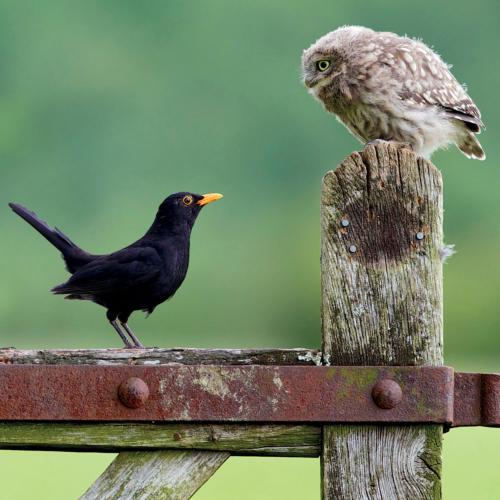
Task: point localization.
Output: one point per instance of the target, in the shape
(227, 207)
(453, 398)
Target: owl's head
(327, 58)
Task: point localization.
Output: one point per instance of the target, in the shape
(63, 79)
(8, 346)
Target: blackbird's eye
(187, 200)
(323, 65)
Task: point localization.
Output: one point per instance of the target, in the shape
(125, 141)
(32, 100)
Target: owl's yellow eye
(323, 65)
(187, 200)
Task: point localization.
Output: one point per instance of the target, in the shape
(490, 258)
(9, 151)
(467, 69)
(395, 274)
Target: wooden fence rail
(381, 278)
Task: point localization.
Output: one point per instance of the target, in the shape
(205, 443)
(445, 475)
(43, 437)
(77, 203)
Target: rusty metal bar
(259, 394)
(476, 399)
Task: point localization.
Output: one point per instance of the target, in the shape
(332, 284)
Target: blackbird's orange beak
(208, 198)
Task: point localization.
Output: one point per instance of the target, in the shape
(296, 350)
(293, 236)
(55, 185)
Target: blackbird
(140, 276)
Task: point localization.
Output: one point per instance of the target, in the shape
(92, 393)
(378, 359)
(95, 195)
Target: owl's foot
(397, 144)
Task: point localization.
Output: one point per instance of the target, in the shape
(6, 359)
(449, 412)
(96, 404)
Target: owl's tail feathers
(471, 147)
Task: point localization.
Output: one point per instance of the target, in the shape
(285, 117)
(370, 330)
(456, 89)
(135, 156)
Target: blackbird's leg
(126, 341)
(112, 319)
(123, 317)
(131, 334)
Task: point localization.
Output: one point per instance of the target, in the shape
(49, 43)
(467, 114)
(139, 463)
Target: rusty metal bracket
(476, 399)
(262, 394)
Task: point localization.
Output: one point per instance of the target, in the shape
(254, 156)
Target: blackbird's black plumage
(138, 277)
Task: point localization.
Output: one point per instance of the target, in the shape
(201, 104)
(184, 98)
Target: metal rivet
(419, 235)
(344, 223)
(133, 392)
(353, 248)
(387, 394)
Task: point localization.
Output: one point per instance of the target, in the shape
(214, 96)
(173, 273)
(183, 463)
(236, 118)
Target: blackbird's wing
(114, 273)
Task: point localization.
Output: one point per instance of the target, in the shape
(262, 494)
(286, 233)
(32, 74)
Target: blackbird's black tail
(73, 255)
(56, 237)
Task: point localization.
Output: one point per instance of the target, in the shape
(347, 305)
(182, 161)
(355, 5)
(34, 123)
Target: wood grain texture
(156, 356)
(382, 305)
(166, 475)
(265, 440)
(381, 462)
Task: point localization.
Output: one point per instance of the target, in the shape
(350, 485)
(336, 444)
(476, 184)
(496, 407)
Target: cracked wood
(160, 356)
(382, 305)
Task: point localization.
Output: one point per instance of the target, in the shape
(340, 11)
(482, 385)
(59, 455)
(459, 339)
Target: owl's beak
(310, 83)
(208, 198)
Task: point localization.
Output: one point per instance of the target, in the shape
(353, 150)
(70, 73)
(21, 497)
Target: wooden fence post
(381, 221)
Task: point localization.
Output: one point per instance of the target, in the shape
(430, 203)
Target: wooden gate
(381, 276)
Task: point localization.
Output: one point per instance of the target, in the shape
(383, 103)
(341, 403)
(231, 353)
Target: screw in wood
(420, 235)
(353, 248)
(344, 223)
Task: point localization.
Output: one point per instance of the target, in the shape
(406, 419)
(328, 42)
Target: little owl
(383, 86)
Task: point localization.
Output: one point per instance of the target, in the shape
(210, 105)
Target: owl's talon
(397, 144)
(377, 141)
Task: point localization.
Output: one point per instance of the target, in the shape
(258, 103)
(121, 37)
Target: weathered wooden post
(381, 267)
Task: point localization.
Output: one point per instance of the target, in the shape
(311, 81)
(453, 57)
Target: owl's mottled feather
(384, 86)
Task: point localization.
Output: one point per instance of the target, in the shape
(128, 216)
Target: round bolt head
(353, 248)
(420, 235)
(387, 394)
(344, 223)
(133, 392)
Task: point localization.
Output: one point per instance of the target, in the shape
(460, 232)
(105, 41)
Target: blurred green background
(107, 107)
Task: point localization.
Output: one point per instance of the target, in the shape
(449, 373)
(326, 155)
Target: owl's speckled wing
(426, 79)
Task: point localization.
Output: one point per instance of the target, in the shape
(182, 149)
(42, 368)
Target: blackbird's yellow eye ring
(323, 65)
(187, 200)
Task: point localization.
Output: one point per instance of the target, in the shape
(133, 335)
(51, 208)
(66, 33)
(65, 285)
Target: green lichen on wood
(252, 439)
(431, 457)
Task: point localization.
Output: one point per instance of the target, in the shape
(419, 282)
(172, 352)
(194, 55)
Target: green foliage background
(107, 107)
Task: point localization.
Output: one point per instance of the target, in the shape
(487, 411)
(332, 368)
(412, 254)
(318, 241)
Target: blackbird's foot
(135, 340)
(126, 341)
